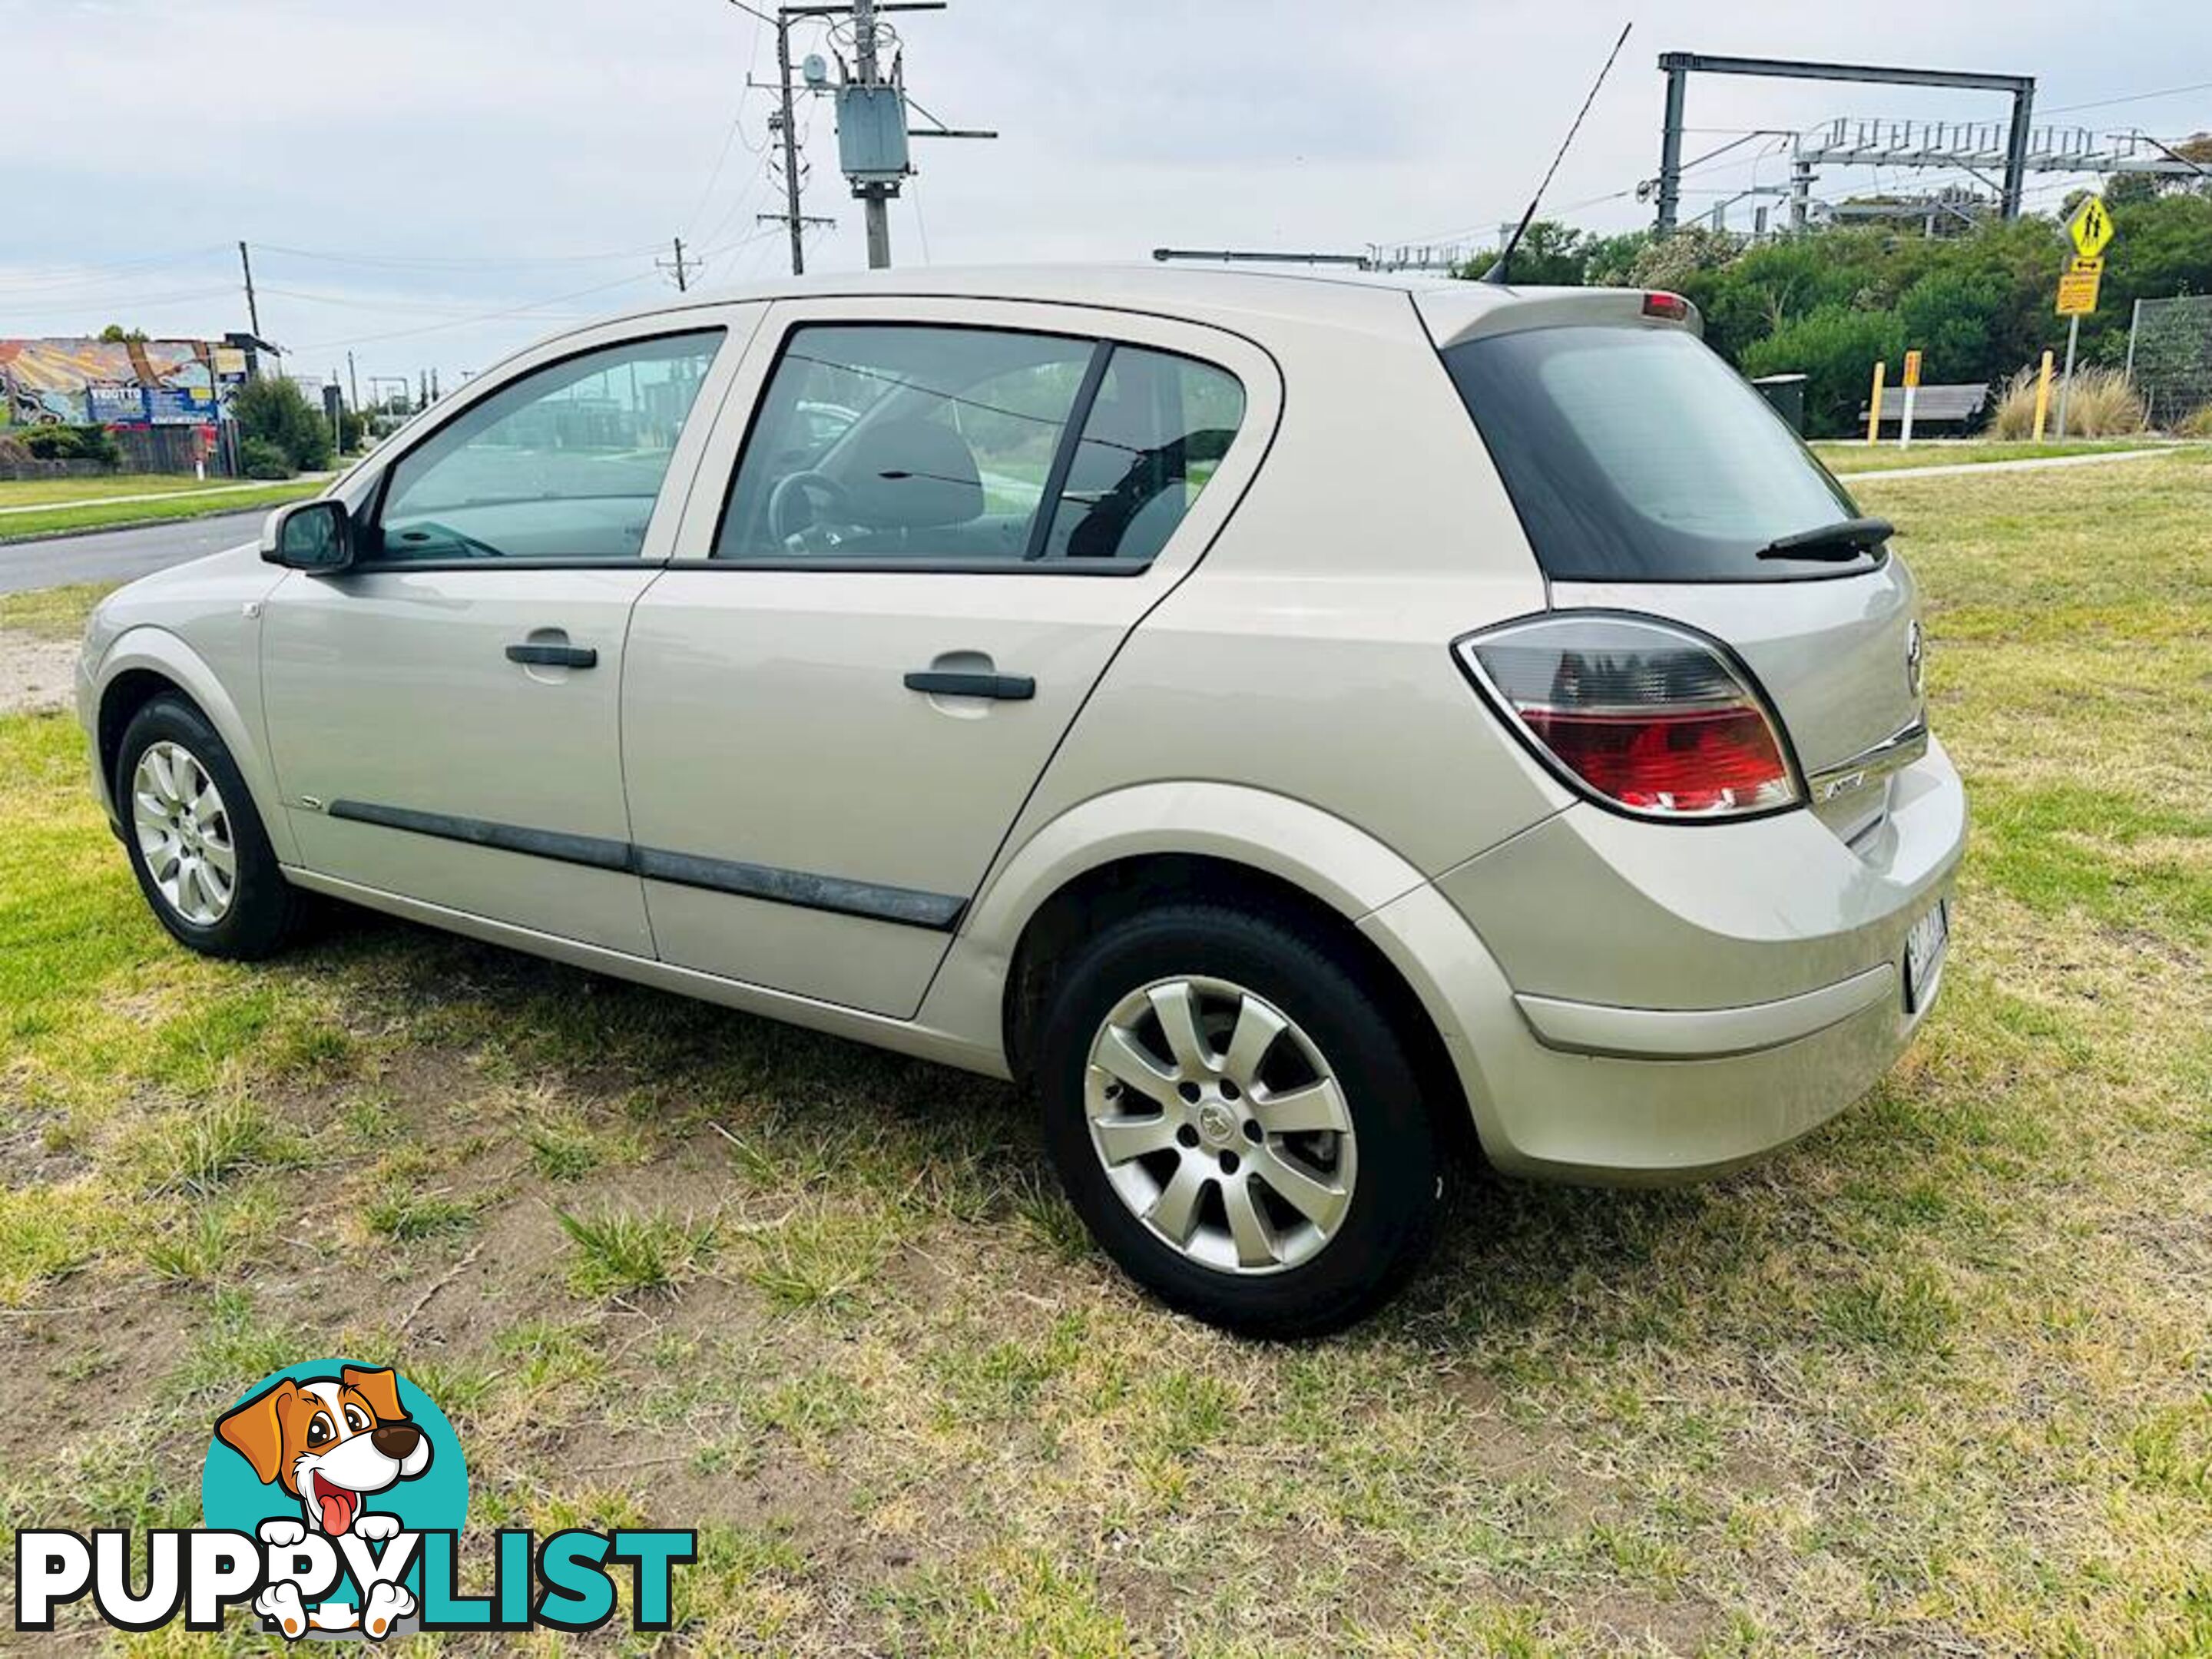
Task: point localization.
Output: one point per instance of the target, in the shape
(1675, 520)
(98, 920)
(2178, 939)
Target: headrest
(911, 474)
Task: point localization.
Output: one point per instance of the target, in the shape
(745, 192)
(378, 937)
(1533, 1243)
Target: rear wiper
(1846, 539)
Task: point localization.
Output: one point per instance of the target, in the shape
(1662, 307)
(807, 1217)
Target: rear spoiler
(1459, 312)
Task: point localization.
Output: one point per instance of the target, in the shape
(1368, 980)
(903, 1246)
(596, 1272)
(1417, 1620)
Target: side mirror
(315, 536)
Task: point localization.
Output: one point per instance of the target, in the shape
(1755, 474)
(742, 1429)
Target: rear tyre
(196, 842)
(1235, 1118)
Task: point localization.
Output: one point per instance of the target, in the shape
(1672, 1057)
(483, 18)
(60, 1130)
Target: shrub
(72, 443)
(2195, 424)
(275, 411)
(257, 457)
(2101, 405)
(1834, 347)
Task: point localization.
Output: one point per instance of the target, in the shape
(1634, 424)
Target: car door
(444, 714)
(922, 530)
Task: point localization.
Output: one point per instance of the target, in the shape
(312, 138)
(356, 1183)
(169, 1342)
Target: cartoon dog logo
(331, 1443)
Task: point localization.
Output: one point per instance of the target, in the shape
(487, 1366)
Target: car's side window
(564, 464)
(1157, 431)
(939, 445)
(897, 443)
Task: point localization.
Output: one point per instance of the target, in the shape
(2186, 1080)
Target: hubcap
(184, 834)
(1221, 1125)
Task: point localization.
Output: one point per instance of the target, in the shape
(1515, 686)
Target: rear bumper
(1632, 1003)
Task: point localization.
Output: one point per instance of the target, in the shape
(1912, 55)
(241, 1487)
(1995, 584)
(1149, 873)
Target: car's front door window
(566, 462)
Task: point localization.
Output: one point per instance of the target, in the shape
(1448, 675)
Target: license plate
(1924, 955)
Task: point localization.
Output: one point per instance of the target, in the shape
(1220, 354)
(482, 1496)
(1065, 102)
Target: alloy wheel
(184, 834)
(1221, 1125)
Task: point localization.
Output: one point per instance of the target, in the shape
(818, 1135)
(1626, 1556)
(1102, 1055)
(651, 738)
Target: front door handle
(1004, 688)
(553, 656)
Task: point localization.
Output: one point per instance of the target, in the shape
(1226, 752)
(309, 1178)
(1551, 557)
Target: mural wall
(111, 383)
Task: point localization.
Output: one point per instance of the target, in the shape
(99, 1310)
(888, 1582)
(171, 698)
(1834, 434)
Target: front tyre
(1233, 1115)
(196, 845)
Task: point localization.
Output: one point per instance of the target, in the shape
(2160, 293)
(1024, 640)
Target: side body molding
(156, 650)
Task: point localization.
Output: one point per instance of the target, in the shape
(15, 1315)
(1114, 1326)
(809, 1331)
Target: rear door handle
(553, 656)
(1005, 688)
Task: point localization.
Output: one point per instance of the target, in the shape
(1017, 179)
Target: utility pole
(793, 220)
(783, 128)
(681, 271)
(873, 132)
(875, 198)
(252, 311)
(353, 385)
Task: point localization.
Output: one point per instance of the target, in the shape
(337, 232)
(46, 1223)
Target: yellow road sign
(1912, 368)
(2077, 289)
(2091, 228)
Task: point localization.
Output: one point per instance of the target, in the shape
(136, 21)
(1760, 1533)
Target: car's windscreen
(1635, 454)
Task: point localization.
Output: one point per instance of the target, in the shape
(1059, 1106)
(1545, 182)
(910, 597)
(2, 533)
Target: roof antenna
(1498, 272)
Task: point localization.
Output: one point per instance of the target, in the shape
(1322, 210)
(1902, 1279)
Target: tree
(277, 412)
(116, 334)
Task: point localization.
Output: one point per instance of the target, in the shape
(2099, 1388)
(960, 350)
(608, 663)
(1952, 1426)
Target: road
(117, 556)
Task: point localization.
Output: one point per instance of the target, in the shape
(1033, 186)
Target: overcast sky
(403, 167)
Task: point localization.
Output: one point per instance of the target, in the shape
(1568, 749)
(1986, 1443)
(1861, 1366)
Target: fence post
(2134, 322)
(1874, 403)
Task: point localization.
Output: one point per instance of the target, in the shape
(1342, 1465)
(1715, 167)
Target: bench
(1934, 405)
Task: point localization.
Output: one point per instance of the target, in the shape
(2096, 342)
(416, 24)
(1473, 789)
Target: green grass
(1935, 1380)
(65, 492)
(70, 520)
(52, 613)
(616, 1254)
(1845, 456)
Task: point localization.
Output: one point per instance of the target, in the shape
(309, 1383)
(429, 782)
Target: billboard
(109, 382)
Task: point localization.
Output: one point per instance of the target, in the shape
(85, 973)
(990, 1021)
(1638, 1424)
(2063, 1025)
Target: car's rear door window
(1157, 431)
(933, 446)
(1635, 454)
(891, 442)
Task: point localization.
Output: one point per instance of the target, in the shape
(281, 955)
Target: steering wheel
(797, 493)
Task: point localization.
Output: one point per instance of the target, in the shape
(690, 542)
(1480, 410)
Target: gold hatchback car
(1281, 719)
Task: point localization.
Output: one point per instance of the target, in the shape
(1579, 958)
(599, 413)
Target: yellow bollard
(2042, 396)
(1874, 403)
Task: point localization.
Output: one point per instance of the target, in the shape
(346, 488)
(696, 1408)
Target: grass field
(189, 503)
(1843, 455)
(64, 492)
(1937, 1381)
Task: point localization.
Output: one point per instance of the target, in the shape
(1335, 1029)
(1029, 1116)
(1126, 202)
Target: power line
(729, 134)
(79, 276)
(482, 317)
(118, 301)
(2131, 97)
(459, 261)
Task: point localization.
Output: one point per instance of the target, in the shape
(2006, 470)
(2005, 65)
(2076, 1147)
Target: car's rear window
(1636, 455)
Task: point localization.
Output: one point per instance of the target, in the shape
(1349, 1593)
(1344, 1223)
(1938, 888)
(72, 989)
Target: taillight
(1646, 717)
(1671, 306)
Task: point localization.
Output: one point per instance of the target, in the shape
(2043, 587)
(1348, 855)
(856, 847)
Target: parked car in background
(1283, 720)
